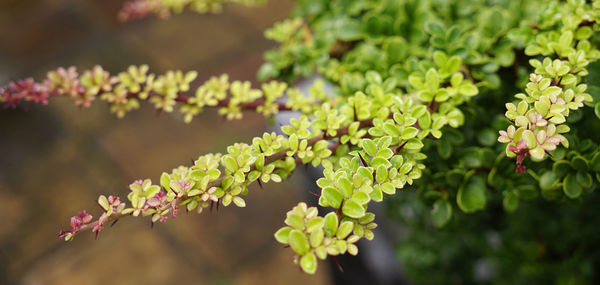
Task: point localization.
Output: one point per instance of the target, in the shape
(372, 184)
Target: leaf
(314, 224)
(381, 174)
(434, 29)
(229, 163)
(579, 163)
(409, 133)
(441, 213)
(331, 224)
(369, 146)
(165, 180)
(345, 186)
(353, 209)
(316, 237)
(595, 162)
(584, 179)
(510, 202)
(548, 180)
(298, 242)
(103, 202)
(333, 196)
(308, 263)
(344, 230)
(294, 221)
(282, 235)
(471, 197)
(239, 201)
(561, 168)
(413, 144)
(571, 187)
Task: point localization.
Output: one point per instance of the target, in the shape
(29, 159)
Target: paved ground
(56, 160)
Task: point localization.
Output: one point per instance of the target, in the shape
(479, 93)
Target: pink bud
(75, 223)
(85, 217)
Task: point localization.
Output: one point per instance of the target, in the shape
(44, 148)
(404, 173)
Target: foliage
(421, 89)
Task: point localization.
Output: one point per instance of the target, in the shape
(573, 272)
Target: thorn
(260, 148)
(315, 194)
(151, 224)
(286, 246)
(114, 222)
(212, 203)
(400, 147)
(337, 263)
(218, 205)
(362, 159)
(260, 183)
(96, 238)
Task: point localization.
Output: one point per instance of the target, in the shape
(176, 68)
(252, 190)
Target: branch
(125, 91)
(115, 210)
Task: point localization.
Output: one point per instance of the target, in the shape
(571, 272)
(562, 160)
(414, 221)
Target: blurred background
(56, 159)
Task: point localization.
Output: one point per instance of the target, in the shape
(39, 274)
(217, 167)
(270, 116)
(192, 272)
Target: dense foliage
(495, 186)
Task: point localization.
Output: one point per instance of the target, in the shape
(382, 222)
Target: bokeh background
(55, 160)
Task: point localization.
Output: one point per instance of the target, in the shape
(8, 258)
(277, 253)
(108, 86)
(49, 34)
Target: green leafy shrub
(495, 186)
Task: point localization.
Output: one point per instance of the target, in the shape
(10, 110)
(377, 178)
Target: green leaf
(388, 188)
(510, 202)
(584, 179)
(561, 168)
(331, 224)
(298, 242)
(548, 180)
(283, 234)
(434, 29)
(314, 224)
(344, 230)
(361, 197)
(454, 177)
(333, 196)
(369, 147)
(579, 163)
(239, 201)
(308, 262)
(413, 144)
(595, 162)
(345, 186)
(441, 213)
(294, 221)
(597, 110)
(165, 180)
(353, 209)
(229, 163)
(381, 174)
(571, 187)
(471, 197)
(103, 202)
(409, 133)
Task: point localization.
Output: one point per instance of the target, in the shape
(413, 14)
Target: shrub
(483, 114)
